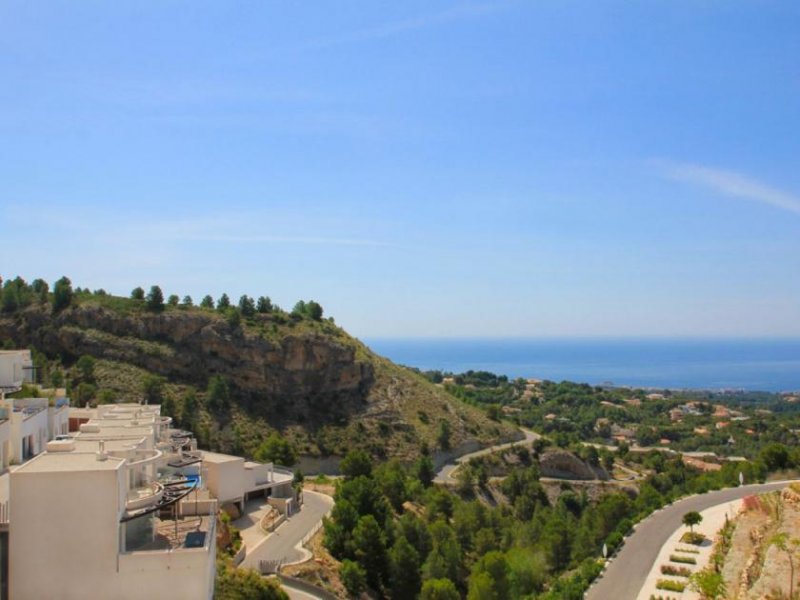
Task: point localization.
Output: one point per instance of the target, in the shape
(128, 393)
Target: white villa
(113, 500)
(16, 368)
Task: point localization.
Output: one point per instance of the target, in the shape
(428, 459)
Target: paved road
(627, 573)
(282, 543)
(297, 594)
(445, 473)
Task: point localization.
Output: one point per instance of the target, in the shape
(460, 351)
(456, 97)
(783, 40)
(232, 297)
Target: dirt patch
(328, 487)
(755, 567)
(322, 570)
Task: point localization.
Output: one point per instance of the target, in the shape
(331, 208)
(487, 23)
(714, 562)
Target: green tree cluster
(218, 394)
(234, 583)
(276, 449)
(155, 299)
(459, 547)
(311, 310)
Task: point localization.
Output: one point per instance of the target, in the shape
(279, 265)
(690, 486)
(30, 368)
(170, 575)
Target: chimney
(101, 454)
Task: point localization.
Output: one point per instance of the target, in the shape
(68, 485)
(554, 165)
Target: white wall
(5, 444)
(65, 540)
(63, 534)
(185, 573)
(33, 427)
(257, 475)
(12, 367)
(57, 421)
(226, 480)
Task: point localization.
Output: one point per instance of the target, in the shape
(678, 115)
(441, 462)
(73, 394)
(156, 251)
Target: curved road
(284, 543)
(444, 475)
(626, 574)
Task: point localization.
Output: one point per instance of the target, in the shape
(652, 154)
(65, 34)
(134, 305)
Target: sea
(771, 365)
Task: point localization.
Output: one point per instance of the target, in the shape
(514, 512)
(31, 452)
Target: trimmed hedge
(687, 560)
(677, 571)
(672, 586)
(693, 538)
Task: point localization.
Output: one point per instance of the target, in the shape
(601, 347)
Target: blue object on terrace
(195, 539)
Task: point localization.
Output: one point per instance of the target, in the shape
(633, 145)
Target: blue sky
(420, 168)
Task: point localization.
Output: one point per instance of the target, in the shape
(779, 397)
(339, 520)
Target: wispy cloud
(281, 239)
(731, 183)
(249, 226)
(385, 30)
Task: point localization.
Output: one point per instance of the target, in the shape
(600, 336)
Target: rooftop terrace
(54, 462)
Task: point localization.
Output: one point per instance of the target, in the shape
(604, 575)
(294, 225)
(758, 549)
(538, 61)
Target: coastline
(713, 364)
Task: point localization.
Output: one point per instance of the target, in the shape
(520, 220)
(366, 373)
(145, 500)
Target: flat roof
(122, 422)
(56, 462)
(116, 432)
(87, 445)
(216, 457)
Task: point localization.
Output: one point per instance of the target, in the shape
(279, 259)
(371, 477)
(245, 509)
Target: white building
(5, 439)
(57, 417)
(77, 514)
(232, 479)
(16, 368)
(112, 502)
(29, 427)
(103, 512)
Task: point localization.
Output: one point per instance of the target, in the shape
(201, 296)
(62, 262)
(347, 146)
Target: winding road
(444, 475)
(284, 544)
(626, 573)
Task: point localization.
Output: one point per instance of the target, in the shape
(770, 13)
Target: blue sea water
(752, 364)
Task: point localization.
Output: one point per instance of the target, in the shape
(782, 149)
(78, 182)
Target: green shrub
(687, 560)
(692, 537)
(677, 571)
(353, 577)
(672, 586)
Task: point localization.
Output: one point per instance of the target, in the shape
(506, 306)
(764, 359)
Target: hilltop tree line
(16, 294)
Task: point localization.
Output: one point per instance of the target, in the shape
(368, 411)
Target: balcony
(29, 411)
(144, 497)
(155, 496)
(144, 457)
(150, 533)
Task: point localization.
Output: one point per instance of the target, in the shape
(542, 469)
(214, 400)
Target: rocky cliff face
(309, 379)
(299, 371)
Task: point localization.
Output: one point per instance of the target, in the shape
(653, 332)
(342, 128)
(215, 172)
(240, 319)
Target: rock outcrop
(565, 465)
(309, 379)
(301, 371)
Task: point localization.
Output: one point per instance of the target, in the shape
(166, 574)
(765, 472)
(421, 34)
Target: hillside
(302, 376)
